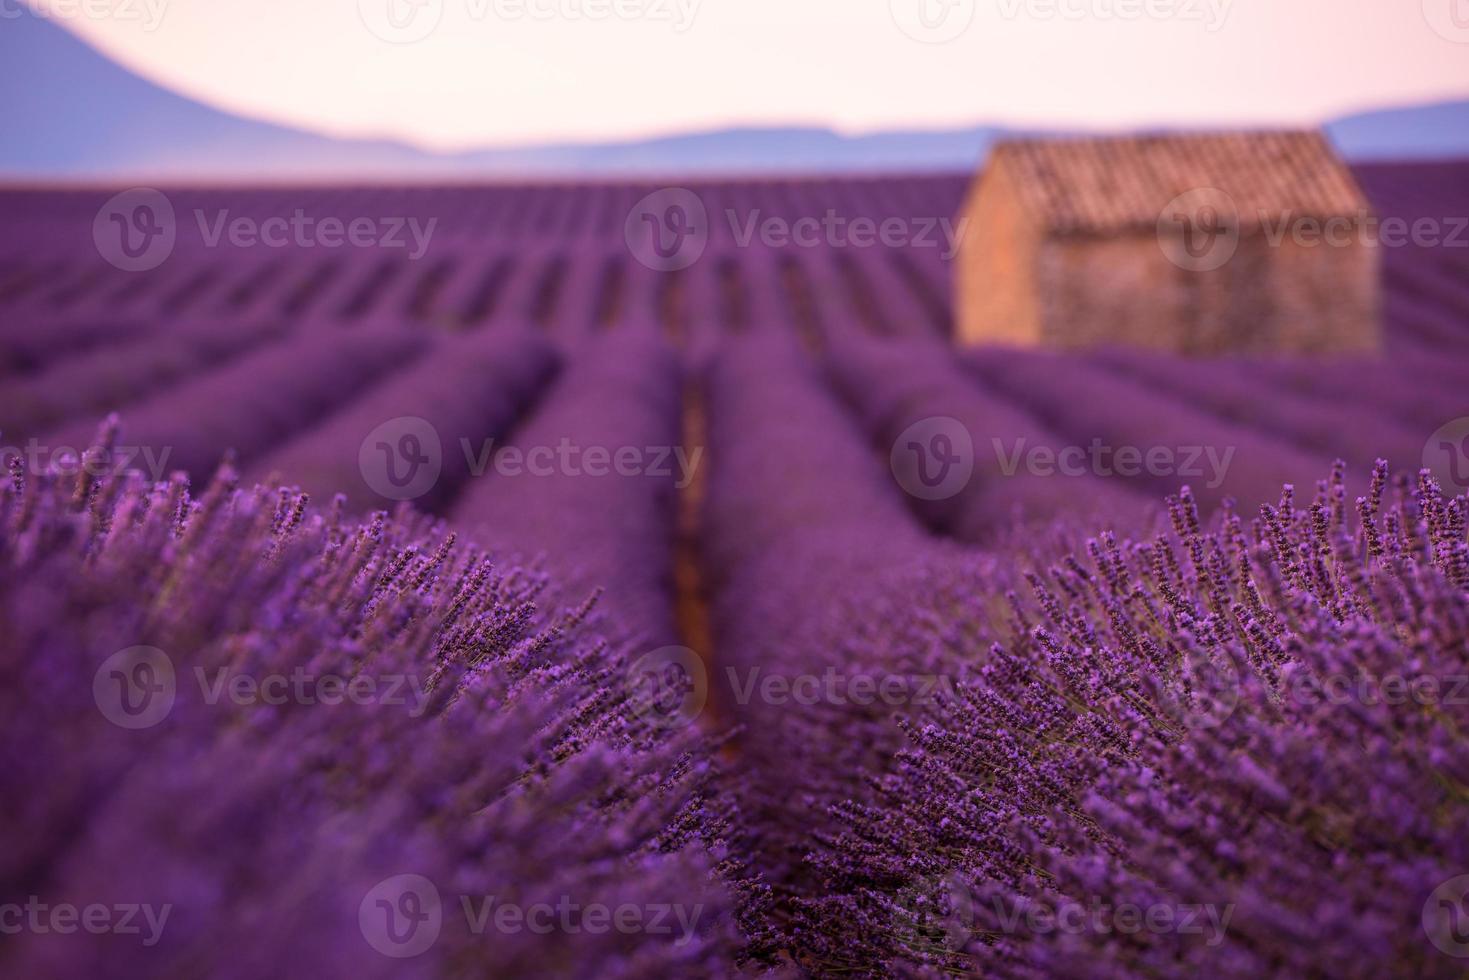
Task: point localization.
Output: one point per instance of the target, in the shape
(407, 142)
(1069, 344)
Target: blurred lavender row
(489, 750)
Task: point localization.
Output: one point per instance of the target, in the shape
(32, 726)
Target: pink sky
(494, 72)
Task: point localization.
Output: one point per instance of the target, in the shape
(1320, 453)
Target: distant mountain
(753, 150)
(1434, 132)
(69, 112)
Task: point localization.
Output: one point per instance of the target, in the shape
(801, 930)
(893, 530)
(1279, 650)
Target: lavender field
(525, 590)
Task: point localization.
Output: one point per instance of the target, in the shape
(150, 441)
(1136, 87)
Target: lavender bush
(455, 746)
(1231, 751)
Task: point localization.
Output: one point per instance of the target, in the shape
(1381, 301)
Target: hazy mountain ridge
(69, 112)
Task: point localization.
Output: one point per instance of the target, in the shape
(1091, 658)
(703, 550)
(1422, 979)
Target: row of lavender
(569, 291)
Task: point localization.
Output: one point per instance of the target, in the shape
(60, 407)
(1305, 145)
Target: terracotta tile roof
(1111, 184)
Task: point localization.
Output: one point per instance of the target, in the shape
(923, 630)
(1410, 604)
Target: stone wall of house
(1328, 298)
(1099, 291)
(1017, 283)
(996, 300)
(1268, 298)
